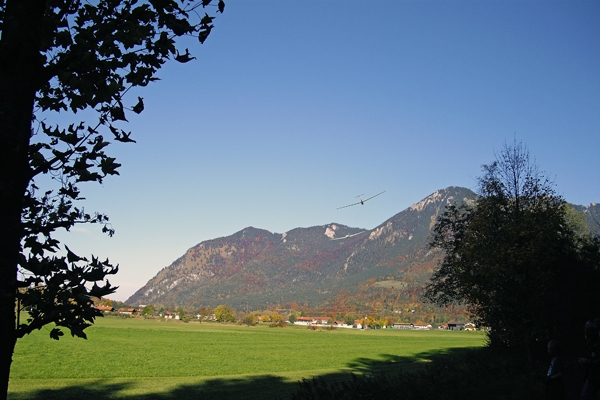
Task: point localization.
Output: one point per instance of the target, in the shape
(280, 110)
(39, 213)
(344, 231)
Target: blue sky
(294, 108)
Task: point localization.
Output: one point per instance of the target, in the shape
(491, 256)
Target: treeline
(289, 313)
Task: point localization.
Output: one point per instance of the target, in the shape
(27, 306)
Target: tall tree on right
(516, 257)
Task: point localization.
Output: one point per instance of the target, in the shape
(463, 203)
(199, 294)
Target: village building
(456, 326)
(104, 308)
(128, 311)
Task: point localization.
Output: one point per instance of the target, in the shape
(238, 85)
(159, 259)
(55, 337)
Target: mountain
(319, 265)
(254, 267)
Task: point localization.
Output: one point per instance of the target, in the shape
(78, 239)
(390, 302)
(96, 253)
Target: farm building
(402, 325)
(104, 308)
(422, 327)
(128, 311)
(456, 326)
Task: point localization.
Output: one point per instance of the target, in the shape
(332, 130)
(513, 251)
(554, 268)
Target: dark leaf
(203, 35)
(109, 166)
(79, 332)
(183, 58)
(117, 113)
(56, 333)
(72, 257)
(139, 107)
(107, 229)
(206, 20)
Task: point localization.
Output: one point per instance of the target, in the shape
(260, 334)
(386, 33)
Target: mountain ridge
(271, 266)
(254, 267)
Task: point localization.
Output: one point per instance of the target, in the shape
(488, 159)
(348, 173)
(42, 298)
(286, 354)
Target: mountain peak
(254, 266)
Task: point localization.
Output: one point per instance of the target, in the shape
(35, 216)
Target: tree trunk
(20, 66)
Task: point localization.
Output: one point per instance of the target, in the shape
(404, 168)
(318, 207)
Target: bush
(249, 319)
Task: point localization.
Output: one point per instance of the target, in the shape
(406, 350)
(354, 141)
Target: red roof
(313, 318)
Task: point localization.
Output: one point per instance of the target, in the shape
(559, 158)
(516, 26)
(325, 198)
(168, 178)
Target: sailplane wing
(373, 196)
(362, 201)
(349, 205)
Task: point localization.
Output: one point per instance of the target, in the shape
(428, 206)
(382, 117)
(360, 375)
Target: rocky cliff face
(255, 267)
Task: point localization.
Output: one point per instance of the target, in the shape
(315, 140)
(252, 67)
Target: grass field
(148, 359)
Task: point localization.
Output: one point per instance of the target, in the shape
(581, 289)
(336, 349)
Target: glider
(347, 236)
(361, 202)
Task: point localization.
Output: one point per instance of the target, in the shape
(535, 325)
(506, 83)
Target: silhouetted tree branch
(69, 56)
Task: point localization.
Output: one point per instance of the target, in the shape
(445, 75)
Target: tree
(205, 313)
(576, 222)
(514, 257)
(148, 311)
(250, 319)
(224, 313)
(277, 318)
(68, 56)
(349, 318)
(368, 321)
(293, 318)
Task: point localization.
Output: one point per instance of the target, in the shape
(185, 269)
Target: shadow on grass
(262, 387)
(445, 374)
(453, 374)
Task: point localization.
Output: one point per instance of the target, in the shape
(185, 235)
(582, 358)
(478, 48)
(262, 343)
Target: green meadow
(148, 359)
